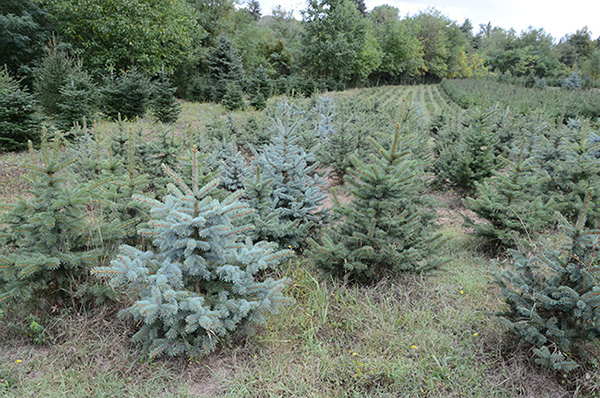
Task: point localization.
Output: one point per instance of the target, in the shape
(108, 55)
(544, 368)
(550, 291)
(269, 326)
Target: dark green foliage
(259, 88)
(511, 201)
(386, 226)
(225, 69)
(200, 284)
(297, 185)
(53, 73)
(163, 104)
(24, 30)
(77, 100)
(18, 120)
(233, 98)
(554, 298)
(467, 156)
(127, 95)
(49, 238)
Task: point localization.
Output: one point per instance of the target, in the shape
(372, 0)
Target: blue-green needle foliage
(200, 283)
(297, 192)
(554, 298)
(47, 248)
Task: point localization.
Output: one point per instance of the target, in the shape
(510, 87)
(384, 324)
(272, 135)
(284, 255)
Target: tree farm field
(409, 335)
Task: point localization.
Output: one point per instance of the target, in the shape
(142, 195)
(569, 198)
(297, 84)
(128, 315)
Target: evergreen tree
(467, 157)
(254, 9)
(266, 220)
(50, 76)
(553, 299)
(511, 201)
(127, 95)
(163, 103)
(297, 185)
(233, 98)
(49, 237)
(259, 88)
(570, 156)
(234, 168)
(386, 227)
(77, 100)
(573, 82)
(224, 67)
(18, 120)
(200, 282)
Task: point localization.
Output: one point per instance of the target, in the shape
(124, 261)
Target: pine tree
(386, 228)
(297, 185)
(77, 100)
(163, 104)
(554, 298)
(224, 67)
(467, 157)
(267, 221)
(64, 90)
(234, 168)
(127, 94)
(200, 284)
(18, 120)
(259, 88)
(511, 201)
(233, 98)
(49, 237)
(570, 156)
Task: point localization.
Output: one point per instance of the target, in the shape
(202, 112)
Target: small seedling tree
(200, 282)
(511, 201)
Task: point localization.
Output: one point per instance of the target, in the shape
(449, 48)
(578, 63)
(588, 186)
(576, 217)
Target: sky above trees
(556, 17)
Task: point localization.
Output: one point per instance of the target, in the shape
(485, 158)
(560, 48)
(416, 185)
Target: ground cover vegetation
(413, 240)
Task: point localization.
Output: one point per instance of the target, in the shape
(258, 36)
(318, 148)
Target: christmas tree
(511, 201)
(386, 226)
(554, 298)
(18, 121)
(200, 282)
(267, 222)
(467, 157)
(49, 238)
(296, 182)
(163, 104)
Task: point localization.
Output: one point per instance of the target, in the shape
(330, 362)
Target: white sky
(556, 17)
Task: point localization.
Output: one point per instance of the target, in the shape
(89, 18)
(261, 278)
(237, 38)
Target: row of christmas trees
(195, 269)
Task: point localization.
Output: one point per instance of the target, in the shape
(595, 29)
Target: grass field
(413, 336)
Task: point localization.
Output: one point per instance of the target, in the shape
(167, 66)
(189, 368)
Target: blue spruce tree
(200, 283)
(297, 185)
